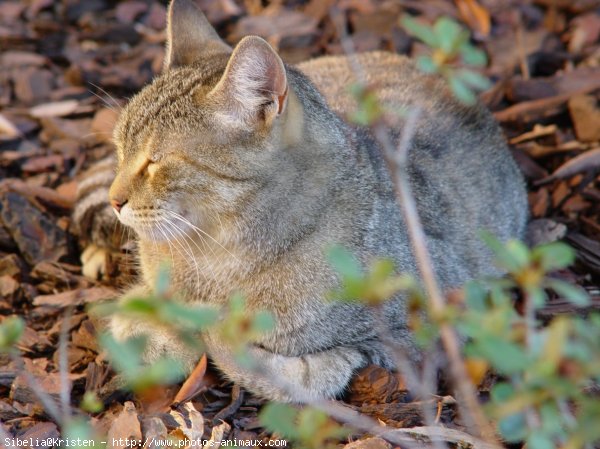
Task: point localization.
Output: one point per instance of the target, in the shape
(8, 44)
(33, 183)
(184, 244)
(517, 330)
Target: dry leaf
(54, 109)
(190, 420)
(537, 131)
(476, 369)
(193, 384)
(218, 434)
(588, 161)
(585, 115)
(125, 430)
(475, 15)
(7, 128)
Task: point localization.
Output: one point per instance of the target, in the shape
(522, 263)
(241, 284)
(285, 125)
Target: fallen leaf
(190, 420)
(475, 15)
(585, 115)
(193, 384)
(76, 297)
(588, 161)
(54, 109)
(537, 131)
(218, 434)
(7, 128)
(125, 430)
(369, 443)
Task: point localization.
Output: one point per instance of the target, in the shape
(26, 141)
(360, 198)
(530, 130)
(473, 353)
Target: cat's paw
(94, 261)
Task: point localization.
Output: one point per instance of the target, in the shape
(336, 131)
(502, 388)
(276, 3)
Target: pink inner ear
(281, 99)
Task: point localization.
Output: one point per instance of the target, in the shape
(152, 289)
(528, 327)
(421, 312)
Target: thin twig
(401, 360)
(63, 366)
(45, 399)
(397, 164)
(443, 434)
(5, 436)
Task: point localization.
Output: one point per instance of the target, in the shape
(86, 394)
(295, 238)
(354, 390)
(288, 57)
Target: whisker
(160, 228)
(181, 232)
(108, 95)
(189, 254)
(198, 230)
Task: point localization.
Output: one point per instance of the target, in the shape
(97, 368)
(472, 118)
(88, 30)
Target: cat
(241, 171)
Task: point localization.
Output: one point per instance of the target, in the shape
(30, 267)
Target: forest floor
(66, 66)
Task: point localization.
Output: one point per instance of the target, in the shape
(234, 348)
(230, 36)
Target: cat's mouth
(157, 225)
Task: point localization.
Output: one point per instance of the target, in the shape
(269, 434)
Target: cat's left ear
(253, 90)
(189, 35)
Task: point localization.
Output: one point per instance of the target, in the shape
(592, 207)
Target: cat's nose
(117, 204)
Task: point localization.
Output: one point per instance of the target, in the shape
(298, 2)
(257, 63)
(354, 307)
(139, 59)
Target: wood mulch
(67, 66)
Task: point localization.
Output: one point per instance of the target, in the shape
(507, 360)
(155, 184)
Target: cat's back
(392, 76)
(462, 173)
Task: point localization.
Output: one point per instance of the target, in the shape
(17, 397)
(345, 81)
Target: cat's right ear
(189, 35)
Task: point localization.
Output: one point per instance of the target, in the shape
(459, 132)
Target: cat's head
(192, 146)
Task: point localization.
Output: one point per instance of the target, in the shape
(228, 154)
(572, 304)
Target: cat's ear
(189, 35)
(253, 90)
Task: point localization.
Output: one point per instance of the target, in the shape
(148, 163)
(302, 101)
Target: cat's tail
(99, 230)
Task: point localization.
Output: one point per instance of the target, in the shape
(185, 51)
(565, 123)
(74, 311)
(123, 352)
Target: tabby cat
(241, 171)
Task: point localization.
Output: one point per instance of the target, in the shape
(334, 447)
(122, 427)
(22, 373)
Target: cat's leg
(314, 376)
(161, 341)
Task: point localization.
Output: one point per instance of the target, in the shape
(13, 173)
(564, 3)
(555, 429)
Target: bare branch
(397, 164)
(45, 399)
(63, 366)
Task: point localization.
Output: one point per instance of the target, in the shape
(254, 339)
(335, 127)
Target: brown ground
(66, 65)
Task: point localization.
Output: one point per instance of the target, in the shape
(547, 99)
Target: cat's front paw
(161, 341)
(94, 262)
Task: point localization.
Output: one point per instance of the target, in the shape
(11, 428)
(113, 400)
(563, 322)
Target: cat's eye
(148, 167)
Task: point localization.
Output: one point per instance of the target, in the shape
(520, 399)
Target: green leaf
(263, 322)
(144, 306)
(198, 317)
(449, 34)
(125, 356)
(474, 79)
(473, 56)
(79, 429)
(422, 32)
(462, 91)
(573, 293)
(539, 440)
(513, 428)
(554, 256)
(163, 280)
(91, 403)
(237, 305)
(427, 64)
(164, 371)
(502, 392)
(11, 330)
(280, 418)
(475, 296)
(518, 252)
(505, 356)
(507, 259)
(344, 262)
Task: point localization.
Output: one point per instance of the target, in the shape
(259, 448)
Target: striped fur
(252, 204)
(94, 219)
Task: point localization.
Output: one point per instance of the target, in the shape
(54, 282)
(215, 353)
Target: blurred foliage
(451, 51)
(374, 286)
(234, 323)
(11, 330)
(308, 428)
(544, 372)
